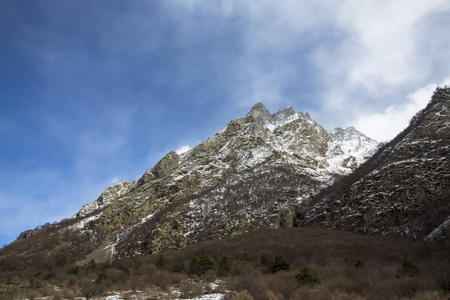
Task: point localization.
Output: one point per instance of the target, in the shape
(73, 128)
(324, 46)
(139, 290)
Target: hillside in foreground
(263, 264)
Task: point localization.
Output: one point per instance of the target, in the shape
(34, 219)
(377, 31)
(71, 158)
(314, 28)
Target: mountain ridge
(251, 174)
(271, 122)
(402, 189)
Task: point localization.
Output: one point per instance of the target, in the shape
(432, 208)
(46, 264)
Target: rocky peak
(162, 168)
(354, 143)
(260, 113)
(339, 134)
(283, 114)
(111, 194)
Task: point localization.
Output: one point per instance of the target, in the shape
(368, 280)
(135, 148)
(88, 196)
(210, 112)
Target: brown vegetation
(348, 266)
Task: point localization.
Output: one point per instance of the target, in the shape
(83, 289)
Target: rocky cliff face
(403, 189)
(251, 174)
(107, 197)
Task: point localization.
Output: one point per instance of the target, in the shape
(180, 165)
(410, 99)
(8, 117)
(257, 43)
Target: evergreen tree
(91, 267)
(224, 266)
(307, 276)
(194, 266)
(206, 263)
(279, 264)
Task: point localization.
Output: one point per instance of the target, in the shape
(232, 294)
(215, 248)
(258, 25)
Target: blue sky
(96, 92)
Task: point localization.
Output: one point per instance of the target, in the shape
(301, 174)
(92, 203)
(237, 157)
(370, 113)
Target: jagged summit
(272, 121)
(283, 114)
(261, 113)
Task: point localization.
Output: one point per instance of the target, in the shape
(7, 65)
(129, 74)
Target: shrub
(279, 264)
(308, 277)
(264, 259)
(248, 278)
(74, 270)
(190, 288)
(442, 278)
(102, 276)
(179, 268)
(409, 268)
(33, 295)
(125, 270)
(359, 263)
(89, 289)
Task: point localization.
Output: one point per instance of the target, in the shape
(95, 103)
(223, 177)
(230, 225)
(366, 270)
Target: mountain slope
(250, 175)
(207, 192)
(403, 189)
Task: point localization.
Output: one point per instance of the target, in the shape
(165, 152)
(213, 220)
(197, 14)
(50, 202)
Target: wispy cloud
(336, 58)
(183, 149)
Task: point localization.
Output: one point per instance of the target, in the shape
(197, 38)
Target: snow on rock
(84, 222)
(440, 232)
(109, 195)
(354, 143)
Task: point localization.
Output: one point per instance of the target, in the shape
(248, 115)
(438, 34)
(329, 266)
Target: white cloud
(386, 125)
(382, 44)
(183, 149)
(114, 180)
(374, 47)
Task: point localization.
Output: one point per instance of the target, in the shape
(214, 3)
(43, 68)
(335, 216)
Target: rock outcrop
(162, 168)
(107, 197)
(261, 114)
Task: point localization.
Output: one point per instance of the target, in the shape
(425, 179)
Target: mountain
(403, 189)
(220, 206)
(252, 174)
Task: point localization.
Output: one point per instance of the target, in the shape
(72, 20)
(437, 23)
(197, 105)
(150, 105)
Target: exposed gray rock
(260, 113)
(283, 114)
(166, 164)
(111, 194)
(161, 169)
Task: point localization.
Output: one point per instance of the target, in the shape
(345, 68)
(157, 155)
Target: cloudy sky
(96, 92)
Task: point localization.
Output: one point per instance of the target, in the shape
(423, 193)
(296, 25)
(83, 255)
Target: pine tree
(307, 276)
(279, 264)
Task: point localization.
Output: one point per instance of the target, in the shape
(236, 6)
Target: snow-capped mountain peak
(354, 143)
(207, 186)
